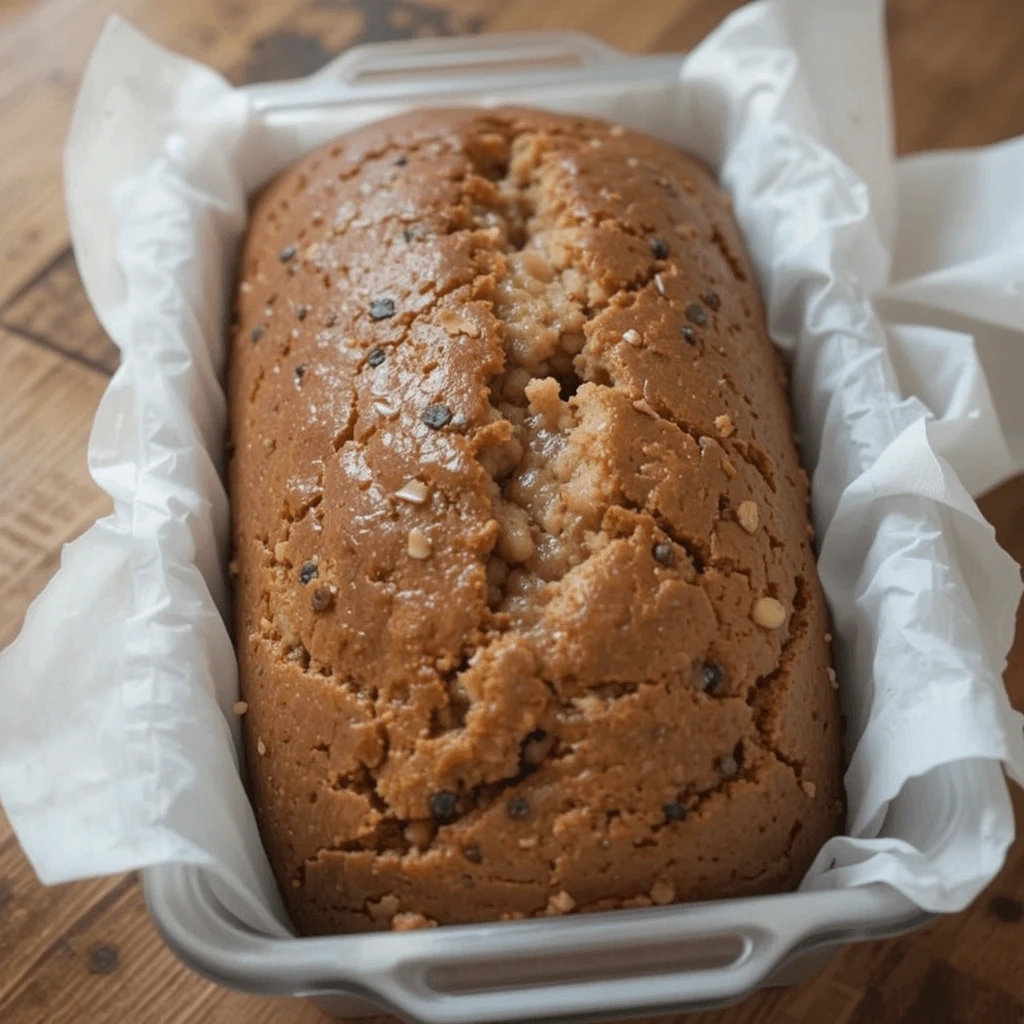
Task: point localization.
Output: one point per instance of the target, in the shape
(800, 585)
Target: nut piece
(240, 707)
(560, 903)
(408, 921)
(809, 788)
(723, 424)
(832, 677)
(414, 491)
(636, 902)
(383, 909)
(747, 515)
(418, 833)
(631, 337)
(454, 323)
(261, 747)
(515, 543)
(662, 892)
(768, 613)
(643, 406)
(419, 544)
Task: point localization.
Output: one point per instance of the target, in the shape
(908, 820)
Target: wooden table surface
(86, 952)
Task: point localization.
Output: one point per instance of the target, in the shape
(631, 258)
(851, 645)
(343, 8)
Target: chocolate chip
(1006, 909)
(713, 676)
(287, 253)
(443, 806)
(408, 234)
(103, 960)
(711, 299)
(300, 372)
(381, 309)
(401, 161)
(256, 333)
(321, 599)
(697, 314)
(517, 808)
(376, 356)
(302, 312)
(473, 854)
(662, 552)
(308, 572)
(436, 416)
(689, 335)
(674, 811)
(659, 250)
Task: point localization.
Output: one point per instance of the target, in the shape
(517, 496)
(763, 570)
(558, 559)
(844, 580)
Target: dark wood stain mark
(290, 54)
(947, 996)
(872, 1006)
(405, 19)
(43, 342)
(103, 960)
(54, 311)
(1006, 909)
(6, 894)
(870, 1009)
(284, 55)
(38, 276)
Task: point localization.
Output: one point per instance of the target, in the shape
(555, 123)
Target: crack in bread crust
(500, 385)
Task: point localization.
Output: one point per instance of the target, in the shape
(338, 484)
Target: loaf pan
(580, 968)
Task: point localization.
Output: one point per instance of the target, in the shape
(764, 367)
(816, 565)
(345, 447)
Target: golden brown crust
(528, 618)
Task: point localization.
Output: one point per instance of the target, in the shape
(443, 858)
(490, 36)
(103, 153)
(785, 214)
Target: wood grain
(46, 494)
(86, 952)
(53, 311)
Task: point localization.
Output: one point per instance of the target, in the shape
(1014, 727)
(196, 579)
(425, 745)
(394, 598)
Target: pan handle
(590, 969)
(461, 65)
(495, 53)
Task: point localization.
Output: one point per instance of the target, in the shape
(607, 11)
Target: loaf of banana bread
(528, 619)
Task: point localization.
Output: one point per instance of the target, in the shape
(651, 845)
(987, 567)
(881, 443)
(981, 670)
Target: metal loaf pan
(590, 967)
